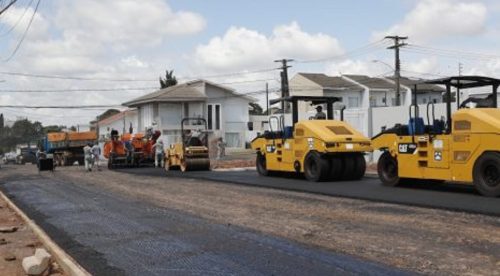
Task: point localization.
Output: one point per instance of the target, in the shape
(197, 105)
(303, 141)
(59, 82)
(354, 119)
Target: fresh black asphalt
(113, 235)
(455, 197)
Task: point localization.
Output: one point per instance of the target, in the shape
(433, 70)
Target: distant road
(444, 196)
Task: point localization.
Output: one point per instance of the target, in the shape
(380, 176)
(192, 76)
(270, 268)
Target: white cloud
(94, 39)
(126, 23)
(243, 48)
(431, 19)
(16, 20)
(425, 65)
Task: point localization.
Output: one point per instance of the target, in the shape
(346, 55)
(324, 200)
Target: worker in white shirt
(96, 152)
(87, 157)
(159, 154)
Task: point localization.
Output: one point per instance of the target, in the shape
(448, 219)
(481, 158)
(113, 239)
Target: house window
(209, 117)
(373, 102)
(352, 102)
(217, 117)
(213, 116)
(186, 110)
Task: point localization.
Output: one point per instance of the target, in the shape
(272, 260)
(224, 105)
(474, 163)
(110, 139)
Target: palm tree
(169, 80)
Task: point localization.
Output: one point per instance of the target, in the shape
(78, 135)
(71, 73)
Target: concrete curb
(67, 263)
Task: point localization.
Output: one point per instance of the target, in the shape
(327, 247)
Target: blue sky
(140, 39)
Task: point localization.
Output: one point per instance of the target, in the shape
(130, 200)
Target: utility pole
(285, 90)
(460, 68)
(398, 43)
(267, 99)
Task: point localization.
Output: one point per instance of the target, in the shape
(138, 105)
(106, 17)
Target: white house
(225, 110)
(360, 91)
(125, 121)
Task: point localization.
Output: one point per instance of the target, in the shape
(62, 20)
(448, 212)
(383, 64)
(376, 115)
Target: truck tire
(486, 174)
(387, 169)
(261, 164)
(316, 168)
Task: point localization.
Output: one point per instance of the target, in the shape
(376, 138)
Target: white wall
(234, 116)
(121, 124)
(145, 117)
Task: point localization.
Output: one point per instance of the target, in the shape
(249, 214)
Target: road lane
(453, 197)
(113, 235)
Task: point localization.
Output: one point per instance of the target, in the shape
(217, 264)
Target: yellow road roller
(191, 154)
(320, 149)
(464, 147)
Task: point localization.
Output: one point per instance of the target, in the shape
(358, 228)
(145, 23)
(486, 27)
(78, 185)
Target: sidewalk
(17, 241)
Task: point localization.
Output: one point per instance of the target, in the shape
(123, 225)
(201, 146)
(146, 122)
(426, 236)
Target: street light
(384, 63)
(396, 77)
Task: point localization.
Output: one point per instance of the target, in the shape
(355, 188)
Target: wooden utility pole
(397, 72)
(285, 90)
(267, 99)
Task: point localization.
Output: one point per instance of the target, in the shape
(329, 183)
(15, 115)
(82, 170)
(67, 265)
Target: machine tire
(184, 166)
(261, 164)
(316, 168)
(110, 162)
(486, 174)
(359, 167)
(336, 168)
(387, 169)
(349, 167)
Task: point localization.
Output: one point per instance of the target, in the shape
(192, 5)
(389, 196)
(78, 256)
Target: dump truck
(130, 150)
(463, 147)
(321, 150)
(67, 147)
(191, 154)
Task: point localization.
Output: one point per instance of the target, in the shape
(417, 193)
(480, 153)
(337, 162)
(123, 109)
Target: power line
(69, 78)
(42, 76)
(25, 32)
(78, 90)
(453, 52)
(60, 107)
(18, 20)
(8, 6)
(358, 51)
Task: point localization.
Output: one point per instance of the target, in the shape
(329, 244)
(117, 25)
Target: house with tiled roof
(361, 91)
(225, 110)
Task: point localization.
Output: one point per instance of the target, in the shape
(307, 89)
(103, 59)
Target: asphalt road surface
(453, 197)
(110, 234)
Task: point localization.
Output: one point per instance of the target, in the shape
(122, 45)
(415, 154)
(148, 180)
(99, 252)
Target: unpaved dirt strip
(422, 240)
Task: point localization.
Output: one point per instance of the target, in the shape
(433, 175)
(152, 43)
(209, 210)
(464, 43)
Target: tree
(256, 109)
(1, 121)
(169, 80)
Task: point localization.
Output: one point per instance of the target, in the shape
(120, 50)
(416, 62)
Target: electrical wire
(371, 47)
(78, 90)
(18, 20)
(25, 33)
(87, 107)
(8, 6)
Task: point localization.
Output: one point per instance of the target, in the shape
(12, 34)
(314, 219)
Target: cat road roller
(191, 154)
(464, 147)
(319, 149)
